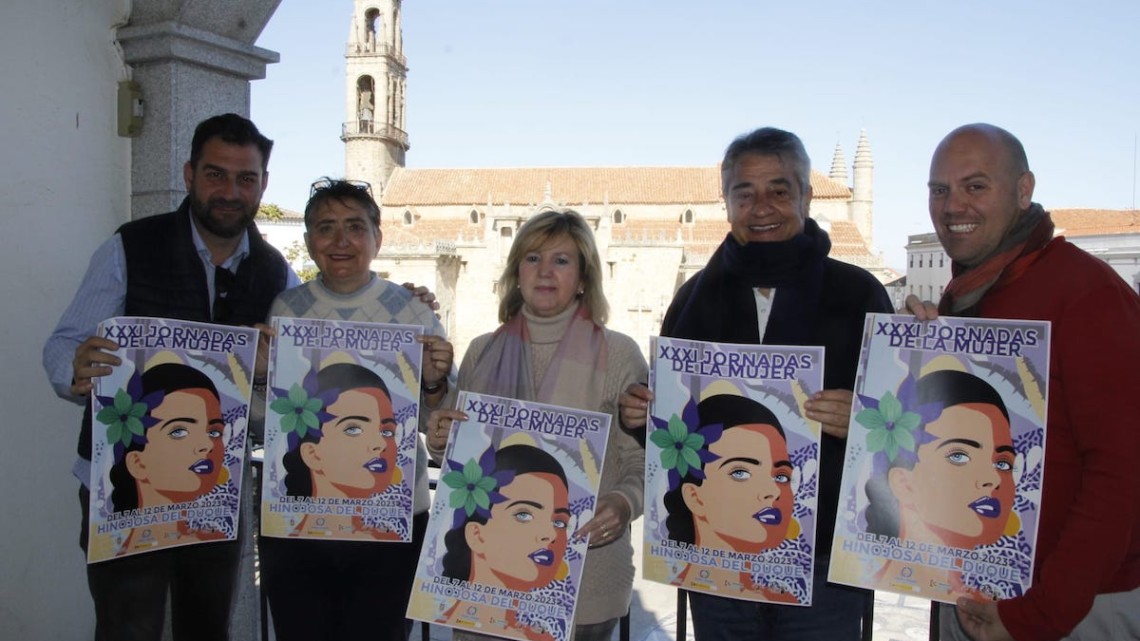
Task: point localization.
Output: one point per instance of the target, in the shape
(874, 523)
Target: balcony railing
(372, 49)
(373, 129)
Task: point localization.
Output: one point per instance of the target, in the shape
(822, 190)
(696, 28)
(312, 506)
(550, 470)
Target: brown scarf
(1017, 251)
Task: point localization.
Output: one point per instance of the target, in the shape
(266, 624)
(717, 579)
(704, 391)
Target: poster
(168, 435)
(500, 556)
(942, 477)
(731, 469)
(341, 423)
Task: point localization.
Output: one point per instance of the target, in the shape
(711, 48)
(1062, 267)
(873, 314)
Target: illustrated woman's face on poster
(746, 498)
(962, 487)
(523, 544)
(183, 454)
(356, 454)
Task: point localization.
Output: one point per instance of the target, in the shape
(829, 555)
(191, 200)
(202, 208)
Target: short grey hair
(768, 141)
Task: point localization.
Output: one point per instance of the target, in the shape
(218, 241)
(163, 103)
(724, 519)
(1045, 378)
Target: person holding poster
(332, 589)
(1006, 264)
(169, 436)
(771, 282)
(204, 262)
(553, 347)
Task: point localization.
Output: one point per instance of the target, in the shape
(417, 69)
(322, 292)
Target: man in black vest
(204, 262)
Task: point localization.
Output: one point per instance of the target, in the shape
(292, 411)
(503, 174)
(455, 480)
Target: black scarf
(722, 306)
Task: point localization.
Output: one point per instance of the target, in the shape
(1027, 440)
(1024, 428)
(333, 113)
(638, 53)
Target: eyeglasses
(223, 280)
(326, 183)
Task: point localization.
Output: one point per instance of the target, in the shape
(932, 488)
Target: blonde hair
(541, 230)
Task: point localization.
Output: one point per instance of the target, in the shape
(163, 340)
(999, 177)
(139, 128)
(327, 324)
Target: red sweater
(1088, 539)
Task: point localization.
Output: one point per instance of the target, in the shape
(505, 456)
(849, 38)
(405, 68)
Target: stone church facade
(451, 229)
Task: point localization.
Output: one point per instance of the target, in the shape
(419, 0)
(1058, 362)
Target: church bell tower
(374, 131)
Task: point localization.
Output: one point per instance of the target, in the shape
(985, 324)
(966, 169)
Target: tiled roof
(595, 185)
(846, 241)
(1094, 222)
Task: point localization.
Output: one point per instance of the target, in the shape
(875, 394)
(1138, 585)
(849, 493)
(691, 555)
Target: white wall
(63, 190)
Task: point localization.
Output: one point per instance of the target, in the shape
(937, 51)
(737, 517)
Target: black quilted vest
(166, 279)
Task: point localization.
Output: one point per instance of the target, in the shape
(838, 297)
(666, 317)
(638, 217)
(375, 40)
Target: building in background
(451, 229)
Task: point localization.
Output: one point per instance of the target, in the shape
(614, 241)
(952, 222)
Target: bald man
(1007, 264)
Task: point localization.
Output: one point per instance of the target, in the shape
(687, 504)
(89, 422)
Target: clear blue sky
(520, 83)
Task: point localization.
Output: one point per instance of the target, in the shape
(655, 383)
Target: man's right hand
(91, 360)
(923, 310)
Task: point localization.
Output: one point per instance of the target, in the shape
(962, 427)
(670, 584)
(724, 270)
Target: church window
(505, 235)
(474, 217)
(373, 27)
(941, 258)
(618, 217)
(407, 217)
(912, 261)
(687, 217)
(365, 104)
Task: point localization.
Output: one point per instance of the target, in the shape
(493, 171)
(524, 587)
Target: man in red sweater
(1007, 264)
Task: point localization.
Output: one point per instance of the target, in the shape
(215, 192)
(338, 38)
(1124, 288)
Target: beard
(204, 214)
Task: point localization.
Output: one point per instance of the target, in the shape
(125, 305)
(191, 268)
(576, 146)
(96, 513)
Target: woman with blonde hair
(553, 347)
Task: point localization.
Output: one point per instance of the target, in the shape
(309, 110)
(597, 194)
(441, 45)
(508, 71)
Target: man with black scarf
(771, 282)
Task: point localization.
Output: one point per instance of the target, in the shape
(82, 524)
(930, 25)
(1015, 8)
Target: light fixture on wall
(130, 107)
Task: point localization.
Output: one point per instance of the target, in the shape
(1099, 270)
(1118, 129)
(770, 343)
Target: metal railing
(373, 128)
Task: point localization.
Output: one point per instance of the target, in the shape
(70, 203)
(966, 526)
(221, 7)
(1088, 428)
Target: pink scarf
(576, 376)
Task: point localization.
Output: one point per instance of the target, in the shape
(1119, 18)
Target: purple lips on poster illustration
(500, 557)
(340, 430)
(168, 435)
(732, 469)
(945, 453)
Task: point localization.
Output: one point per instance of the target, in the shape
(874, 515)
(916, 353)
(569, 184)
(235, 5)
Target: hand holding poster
(942, 478)
(341, 430)
(168, 435)
(501, 556)
(731, 475)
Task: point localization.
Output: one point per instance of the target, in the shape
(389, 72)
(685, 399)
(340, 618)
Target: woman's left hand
(438, 356)
(439, 427)
(832, 408)
(610, 521)
(426, 296)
